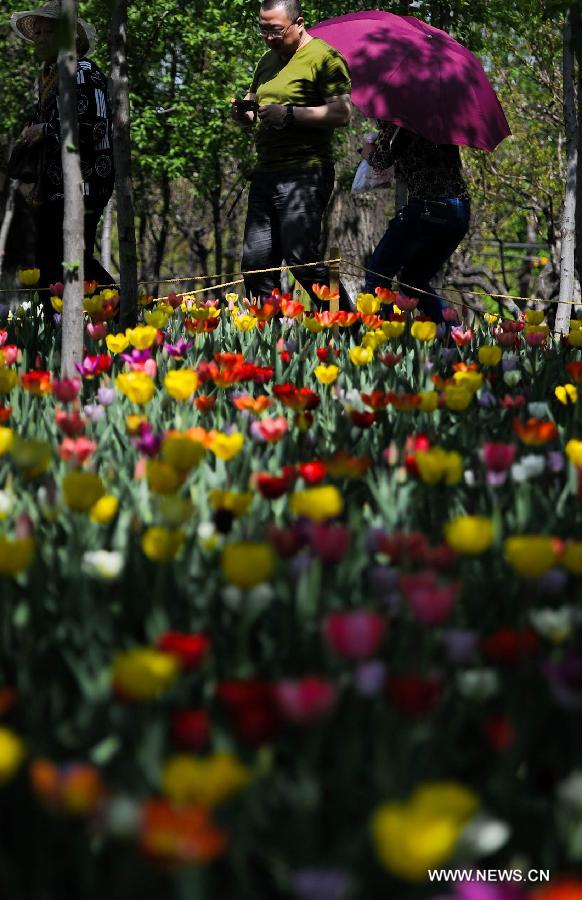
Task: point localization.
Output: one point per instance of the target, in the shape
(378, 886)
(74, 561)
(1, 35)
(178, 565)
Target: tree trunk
(576, 14)
(567, 270)
(73, 223)
(7, 220)
(122, 157)
(106, 235)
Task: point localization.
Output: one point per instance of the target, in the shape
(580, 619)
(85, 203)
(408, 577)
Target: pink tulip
(271, 430)
(430, 602)
(354, 635)
(406, 303)
(57, 289)
(330, 542)
(498, 457)
(535, 338)
(97, 330)
(461, 337)
(305, 701)
(66, 389)
(450, 314)
(3, 337)
(76, 451)
(10, 354)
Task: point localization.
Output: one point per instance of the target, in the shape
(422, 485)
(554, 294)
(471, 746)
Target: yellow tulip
(92, 305)
(367, 304)
(182, 452)
(457, 397)
(374, 339)
(57, 304)
(489, 356)
(181, 383)
(436, 466)
(8, 380)
(531, 556)
(204, 781)
(317, 503)
(312, 324)
(30, 457)
(227, 446)
(105, 510)
(423, 331)
(245, 322)
(326, 374)
(571, 557)
(470, 380)
(469, 535)
(157, 318)
(409, 841)
(236, 502)
(141, 337)
(566, 393)
(117, 343)
(161, 545)
(28, 277)
(393, 329)
(575, 336)
(137, 386)
(6, 440)
(11, 754)
(574, 451)
(412, 837)
(162, 478)
(144, 673)
(246, 564)
(429, 401)
(202, 313)
(534, 316)
(173, 511)
(16, 555)
(361, 356)
(82, 490)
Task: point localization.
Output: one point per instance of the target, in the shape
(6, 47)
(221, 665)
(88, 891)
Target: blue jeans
(417, 243)
(285, 211)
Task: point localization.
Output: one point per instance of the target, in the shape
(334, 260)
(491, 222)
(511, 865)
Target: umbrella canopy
(409, 73)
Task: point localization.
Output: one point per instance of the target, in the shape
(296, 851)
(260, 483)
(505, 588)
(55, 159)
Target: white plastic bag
(369, 179)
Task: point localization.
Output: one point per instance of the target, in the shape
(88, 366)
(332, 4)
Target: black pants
(284, 216)
(50, 252)
(418, 242)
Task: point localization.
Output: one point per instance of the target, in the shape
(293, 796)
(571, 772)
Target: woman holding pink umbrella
(423, 235)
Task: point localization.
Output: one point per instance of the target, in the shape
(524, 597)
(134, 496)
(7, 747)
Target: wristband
(289, 115)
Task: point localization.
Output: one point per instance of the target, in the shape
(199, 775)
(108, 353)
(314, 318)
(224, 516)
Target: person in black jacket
(427, 230)
(39, 27)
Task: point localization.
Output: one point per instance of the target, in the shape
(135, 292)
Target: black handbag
(23, 163)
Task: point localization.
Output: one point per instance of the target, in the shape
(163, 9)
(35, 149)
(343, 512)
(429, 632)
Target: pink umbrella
(409, 73)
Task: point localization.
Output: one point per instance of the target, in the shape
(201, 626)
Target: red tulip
(507, 646)
(190, 729)
(330, 542)
(498, 457)
(414, 695)
(191, 649)
(430, 602)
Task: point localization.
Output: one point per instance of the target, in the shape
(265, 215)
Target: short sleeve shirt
(314, 74)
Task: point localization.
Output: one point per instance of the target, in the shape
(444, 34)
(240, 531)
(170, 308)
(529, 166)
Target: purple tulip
(553, 582)
(94, 412)
(460, 644)
(370, 678)
(486, 400)
(106, 396)
(383, 580)
(555, 461)
(565, 680)
(320, 884)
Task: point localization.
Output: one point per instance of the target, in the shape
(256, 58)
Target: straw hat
(23, 23)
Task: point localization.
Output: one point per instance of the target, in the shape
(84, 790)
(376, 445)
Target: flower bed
(289, 604)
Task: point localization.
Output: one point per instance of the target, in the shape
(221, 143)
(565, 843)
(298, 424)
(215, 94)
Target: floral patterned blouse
(430, 171)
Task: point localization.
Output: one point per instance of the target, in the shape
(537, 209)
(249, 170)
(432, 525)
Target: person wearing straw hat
(39, 27)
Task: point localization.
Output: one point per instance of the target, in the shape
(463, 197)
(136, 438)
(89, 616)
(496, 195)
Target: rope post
(334, 278)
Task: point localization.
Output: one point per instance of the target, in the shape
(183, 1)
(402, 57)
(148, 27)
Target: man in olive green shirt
(299, 94)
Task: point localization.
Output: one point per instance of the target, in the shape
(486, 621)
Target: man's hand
(273, 115)
(32, 134)
(239, 115)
